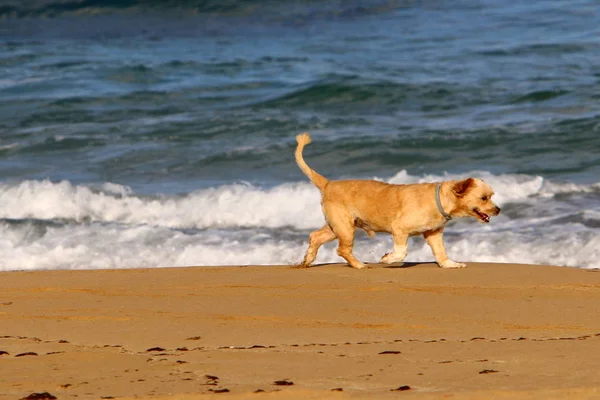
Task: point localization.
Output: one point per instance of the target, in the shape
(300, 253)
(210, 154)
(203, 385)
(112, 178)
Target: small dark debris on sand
(211, 380)
(224, 390)
(29, 353)
(39, 396)
(283, 382)
(401, 388)
(488, 371)
(155, 349)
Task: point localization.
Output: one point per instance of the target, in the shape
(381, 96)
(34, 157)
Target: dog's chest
(426, 227)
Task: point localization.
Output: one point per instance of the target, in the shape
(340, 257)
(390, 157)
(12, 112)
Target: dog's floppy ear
(460, 188)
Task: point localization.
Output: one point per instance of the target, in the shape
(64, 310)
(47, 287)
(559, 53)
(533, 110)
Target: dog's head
(474, 199)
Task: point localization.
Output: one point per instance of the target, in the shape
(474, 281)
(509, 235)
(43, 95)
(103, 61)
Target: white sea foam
(227, 206)
(237, 205)
(48, 225)
(96, 246)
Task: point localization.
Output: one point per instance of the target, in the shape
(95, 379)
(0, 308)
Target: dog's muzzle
(482, 216)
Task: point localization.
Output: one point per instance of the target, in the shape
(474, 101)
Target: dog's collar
(439, 203)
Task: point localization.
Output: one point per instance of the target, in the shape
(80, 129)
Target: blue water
(134, 134)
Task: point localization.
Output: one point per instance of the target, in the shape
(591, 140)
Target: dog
(402, 210)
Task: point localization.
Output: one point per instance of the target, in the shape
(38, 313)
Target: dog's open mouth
(482, 216)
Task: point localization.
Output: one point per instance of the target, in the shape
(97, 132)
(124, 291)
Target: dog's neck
(439, 202)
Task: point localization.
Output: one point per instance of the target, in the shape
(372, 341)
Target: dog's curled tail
(317, 179)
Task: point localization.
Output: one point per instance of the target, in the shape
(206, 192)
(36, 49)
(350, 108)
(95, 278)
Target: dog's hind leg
(316, 240)
(400, 248)
(344, 230)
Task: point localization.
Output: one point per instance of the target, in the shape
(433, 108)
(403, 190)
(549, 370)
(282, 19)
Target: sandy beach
(417, 331)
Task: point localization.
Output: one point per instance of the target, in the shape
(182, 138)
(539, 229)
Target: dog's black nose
(498, 210)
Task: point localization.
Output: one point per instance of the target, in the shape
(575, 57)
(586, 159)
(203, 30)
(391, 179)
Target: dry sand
(498, 331)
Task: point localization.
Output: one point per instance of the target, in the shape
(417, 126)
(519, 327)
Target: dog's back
(376, 204)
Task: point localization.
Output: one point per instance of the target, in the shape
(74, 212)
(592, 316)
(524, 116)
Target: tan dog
(402, 210)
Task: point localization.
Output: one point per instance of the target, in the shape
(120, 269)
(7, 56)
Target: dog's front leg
(435, 240)
(400, 249)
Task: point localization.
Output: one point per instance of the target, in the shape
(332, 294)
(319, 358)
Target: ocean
(161, 134)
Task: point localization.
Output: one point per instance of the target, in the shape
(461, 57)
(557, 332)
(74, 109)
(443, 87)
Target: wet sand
(417, 331)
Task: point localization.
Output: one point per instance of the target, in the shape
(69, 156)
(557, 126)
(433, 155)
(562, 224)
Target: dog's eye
(484, 198)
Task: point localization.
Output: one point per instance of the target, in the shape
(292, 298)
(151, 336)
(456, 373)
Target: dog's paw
(390, 258)
(386, 259)
(452, 264)
(360, 266)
